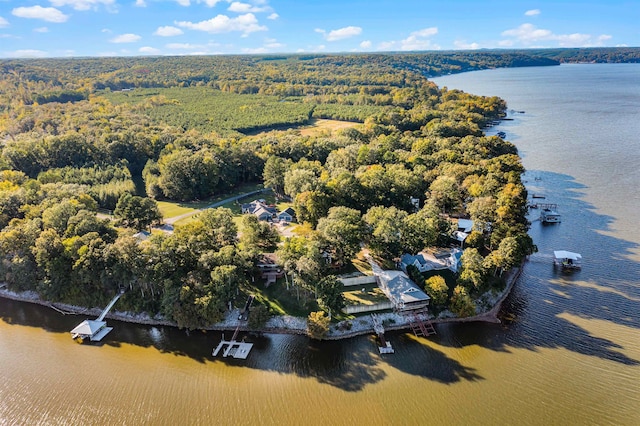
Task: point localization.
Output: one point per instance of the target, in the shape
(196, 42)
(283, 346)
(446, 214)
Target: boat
(549, 213)
(501, 135)
(567, 260)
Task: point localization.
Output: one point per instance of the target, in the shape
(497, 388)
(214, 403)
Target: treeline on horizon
(64, 158)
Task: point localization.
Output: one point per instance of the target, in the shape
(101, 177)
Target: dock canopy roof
(88, 327)
(563, 254)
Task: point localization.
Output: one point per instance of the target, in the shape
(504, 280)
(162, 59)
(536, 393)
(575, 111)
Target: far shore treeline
(90, 145)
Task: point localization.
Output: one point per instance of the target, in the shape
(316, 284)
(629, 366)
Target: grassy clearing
(295, 301)
(323, 125)
(171, 209)
(371, 295)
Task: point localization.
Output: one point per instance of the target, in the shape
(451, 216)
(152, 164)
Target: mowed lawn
(367, 294)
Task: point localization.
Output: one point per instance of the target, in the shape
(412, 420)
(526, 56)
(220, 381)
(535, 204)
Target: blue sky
(61, 28)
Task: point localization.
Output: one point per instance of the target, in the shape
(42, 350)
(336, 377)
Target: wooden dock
(385, 346)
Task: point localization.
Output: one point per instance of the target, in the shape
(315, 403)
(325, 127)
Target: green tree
(461, 303)
(258, 317)
(299, 180)
(186, 175)
(445, 192)
(318, 325)
(330, 296)
(473, 271)
(257, 235)
(343, 229)
(310, 206)
(436, 288)
(273, 174)
(386, 227)
(137, 212)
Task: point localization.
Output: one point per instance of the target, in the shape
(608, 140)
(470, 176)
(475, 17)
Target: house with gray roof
(401, 291)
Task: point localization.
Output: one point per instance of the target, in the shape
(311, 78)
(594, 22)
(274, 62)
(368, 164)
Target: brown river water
(567, 353)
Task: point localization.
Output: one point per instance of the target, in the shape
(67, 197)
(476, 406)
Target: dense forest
(79, 135)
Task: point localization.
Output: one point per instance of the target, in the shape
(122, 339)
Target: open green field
(211, 110)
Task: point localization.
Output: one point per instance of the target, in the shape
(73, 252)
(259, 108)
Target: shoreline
(278, 324)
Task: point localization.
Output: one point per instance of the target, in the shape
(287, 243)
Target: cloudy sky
(59, 28)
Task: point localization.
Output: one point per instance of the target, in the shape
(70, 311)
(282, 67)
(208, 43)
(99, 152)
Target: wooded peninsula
(368, 155)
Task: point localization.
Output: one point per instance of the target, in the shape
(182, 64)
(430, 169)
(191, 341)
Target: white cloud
(366, 44)
(3, 22)
(240, 7)
(27, 53)
(183, 2)
(140, 3)
(41, 30)
(461, 44)
(532, 12)
(529, 35)
(272, 43)
(49, 14)
(273, 16)
(149, 50)
(183, 46)
(256, 51)
(83, 4)
(210, 3)
(106, 30)
(417, 40)
(340, 34)
(425, 32)
(245, 24)
(168, 31)
(125, 38)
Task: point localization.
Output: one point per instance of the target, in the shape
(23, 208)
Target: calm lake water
(571, 355)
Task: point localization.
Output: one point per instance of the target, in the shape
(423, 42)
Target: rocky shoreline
(283, 324)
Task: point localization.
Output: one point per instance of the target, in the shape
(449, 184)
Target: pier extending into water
(385, 346)
(96, 329)
(238, 350)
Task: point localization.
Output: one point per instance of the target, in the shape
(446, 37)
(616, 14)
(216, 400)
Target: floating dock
(238, 350)
(233, 348)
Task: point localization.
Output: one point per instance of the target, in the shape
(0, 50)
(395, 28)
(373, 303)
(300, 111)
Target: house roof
(409, 259)
(142, 235)
(288, 211)
(465, 225)
(460, 236)
(401, 288)
(261, 211)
